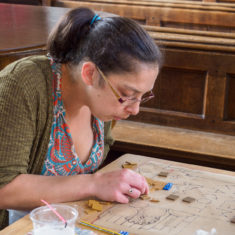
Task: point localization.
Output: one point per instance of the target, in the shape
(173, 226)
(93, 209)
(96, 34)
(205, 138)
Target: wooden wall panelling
(180, 90)
(208, 104)
(216, 95)
(229, 112)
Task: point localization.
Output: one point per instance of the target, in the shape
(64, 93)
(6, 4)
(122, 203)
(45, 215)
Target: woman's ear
(88, 73)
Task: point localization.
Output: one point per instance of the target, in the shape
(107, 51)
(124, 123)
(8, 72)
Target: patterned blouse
(61, 158)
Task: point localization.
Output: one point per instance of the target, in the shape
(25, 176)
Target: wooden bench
(221, 2)
(199, 59)
(194, 94)
(165, 14)
(192, 118)
(176, 144)
(195, 87)
(204, 1)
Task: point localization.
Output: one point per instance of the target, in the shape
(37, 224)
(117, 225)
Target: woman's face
(105, 105)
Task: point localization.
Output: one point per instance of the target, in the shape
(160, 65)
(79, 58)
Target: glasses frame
(119, 98)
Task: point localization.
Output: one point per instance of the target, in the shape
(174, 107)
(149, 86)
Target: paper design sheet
(213, 208)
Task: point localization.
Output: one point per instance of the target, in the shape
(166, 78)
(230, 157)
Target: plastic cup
(46, 222)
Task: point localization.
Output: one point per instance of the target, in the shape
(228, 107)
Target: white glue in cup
(46, 222)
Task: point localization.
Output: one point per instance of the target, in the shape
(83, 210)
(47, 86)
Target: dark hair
(112, 43)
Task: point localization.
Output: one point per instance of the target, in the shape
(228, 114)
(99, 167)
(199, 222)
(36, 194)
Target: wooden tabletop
(25, 26)
(24, 30)
(24, 225)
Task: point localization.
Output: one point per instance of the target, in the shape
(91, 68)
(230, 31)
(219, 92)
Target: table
(188, 180)
(24, 30)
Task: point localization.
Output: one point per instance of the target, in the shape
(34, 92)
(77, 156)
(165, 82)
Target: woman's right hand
(119, 185)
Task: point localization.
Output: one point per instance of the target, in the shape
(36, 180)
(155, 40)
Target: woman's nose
(133, 109)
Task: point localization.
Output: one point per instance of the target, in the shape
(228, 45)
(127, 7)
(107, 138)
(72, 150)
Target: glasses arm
(113, 90)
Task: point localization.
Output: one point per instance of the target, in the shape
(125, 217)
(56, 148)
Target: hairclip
(95, 18)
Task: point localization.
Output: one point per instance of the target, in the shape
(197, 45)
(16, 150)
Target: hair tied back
(94, 19)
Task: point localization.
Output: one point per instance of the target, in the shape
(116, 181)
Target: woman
(56, 112)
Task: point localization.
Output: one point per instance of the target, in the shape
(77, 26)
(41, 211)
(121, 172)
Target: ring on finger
(131, 190)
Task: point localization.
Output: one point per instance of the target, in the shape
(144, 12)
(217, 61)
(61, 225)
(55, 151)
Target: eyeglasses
(127, 100)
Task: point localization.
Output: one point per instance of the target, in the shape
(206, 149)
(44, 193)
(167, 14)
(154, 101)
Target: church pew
(164, 14)
(199, 64)
(194, 93)
(192, 117)
(221, 2)
(172, 143)
(177, 2)
(195, 87)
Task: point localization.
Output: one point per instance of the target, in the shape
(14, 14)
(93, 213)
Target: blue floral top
(61, 158)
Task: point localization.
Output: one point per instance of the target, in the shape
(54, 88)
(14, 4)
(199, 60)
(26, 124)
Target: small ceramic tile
(163, 174)
(172, 197)
(232, 220)
(188, 199)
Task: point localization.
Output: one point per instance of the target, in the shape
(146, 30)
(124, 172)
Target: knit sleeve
(108, 139)
(17, 126)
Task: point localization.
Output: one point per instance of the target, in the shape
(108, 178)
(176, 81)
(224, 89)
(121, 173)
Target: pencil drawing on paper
(213, 207)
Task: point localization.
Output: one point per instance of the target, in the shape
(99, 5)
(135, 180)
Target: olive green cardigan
(26, 114)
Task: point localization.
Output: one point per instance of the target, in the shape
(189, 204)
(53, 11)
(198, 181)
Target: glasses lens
(147, 97)
(132, 101)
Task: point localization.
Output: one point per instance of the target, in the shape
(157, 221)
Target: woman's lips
(117, 118)
(120, 118)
